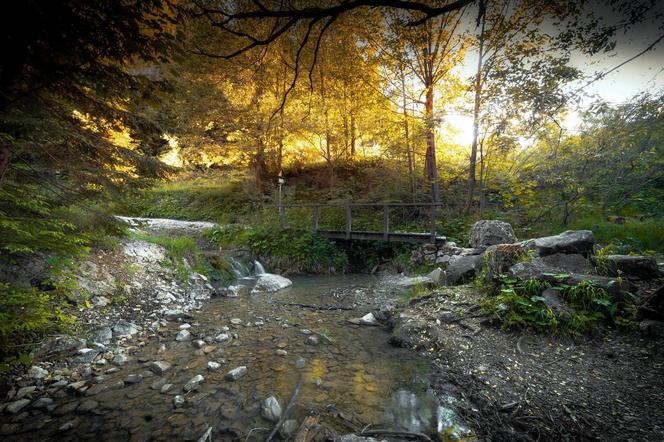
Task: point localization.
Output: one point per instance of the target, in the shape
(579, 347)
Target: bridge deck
(411, 237)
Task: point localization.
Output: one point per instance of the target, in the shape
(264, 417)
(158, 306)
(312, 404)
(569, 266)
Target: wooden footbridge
(387, 234)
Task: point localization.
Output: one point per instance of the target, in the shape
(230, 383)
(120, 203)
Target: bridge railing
(387, 232)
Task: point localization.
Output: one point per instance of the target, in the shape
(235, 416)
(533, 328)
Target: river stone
(120, 359)
(313, 340)
(199, 343)
(222, 337)
(178, 401)
(56, 347)
(183, 335)
(16, 406)
(166, 388)
(462, 269)
(268, 283)
(233, 291)
(194, 382)
(68, 425)
(123, 329)
(86, 355)
(77, 386)
(87, 406)
(102, 335)
(300, 362)
(173, 314)
(160, 367)
(36, 372)
(236, 373)
(644, 267)
(213, 366)
(133, 379)
(570, 241)
(25, 392)
(42, 403)
(270, 409)
(436, 275)
(281, 352)
(288, 428)
(491, 232)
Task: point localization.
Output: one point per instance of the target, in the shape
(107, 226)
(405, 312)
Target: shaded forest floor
(527, 387)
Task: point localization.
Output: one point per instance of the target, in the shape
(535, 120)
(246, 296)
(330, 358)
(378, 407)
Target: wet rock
(236, 373)
(160, 367)
(103, 335)
(281, 352)
(269, 283)
(16, 406)
(490, 232)
(222, 337)
(56, 347)
(199, 343)
(270, 409)
(183, 335)
(166, 388)
(300, 362)
(210, 348)
(234, 291)
(288, 428)
(236, 321)
(112, 370)
(42, 403)
(133, 379)
(312, 340)
(87, 406)
(65, 409)
(123, 329)
(178, 401)
(37, 372)
(355, 438)
(78, 386)
(368, 319)
(25, 392)
(643, 267)
(120, 359)
(173, 314)
(570, 241)
(194, 382)
(69, 425)
(95, 389)
(117, 385)
(86, 355)
(213, 366)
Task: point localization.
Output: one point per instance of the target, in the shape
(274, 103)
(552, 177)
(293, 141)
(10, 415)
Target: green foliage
(519, 304)
(28, 315)
(633, 235)
(293, 250)
(417, 291)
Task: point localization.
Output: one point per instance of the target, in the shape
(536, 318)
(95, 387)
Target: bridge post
(433, 224)
(314, 218)
(349, 222)
(386, 222)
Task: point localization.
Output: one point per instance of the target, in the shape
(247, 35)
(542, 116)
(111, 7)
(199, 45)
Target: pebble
(42, 402)
(313, 340)
(300, 362)
(236, 373)
(185, 326)
(183, 335)
(178, 401)
(270, 409)
(306, 331)
(225, 328)
(281, 352)
(209, 349)
(25, 391)
(36, 372)
(87, 406)
(112, 370)
(236, 321)
(16, 406)
(118, 385)
(213, 366)
(288, 428)
(166, 388)
(222, 337)
(160, 367)
(68, 425)
(95, 389)
(77, 386)
(120, 359)
(194, 382)
(199, 343)
(133, 379)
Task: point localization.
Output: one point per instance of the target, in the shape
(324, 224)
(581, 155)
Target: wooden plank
(418, 238)
(349, 221)
(386, 222)
(433, 224)
(314, 218)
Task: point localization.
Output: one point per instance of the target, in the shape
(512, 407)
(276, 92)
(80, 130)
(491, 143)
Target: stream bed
(353, 378)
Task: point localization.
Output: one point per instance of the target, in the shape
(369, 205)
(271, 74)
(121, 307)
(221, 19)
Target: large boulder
(491, 232)
(567, 262)
(55, 347)
(570, 241)
(643, 267)
(462, 269)
(269, 283)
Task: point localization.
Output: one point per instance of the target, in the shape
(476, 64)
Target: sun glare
(459, 129)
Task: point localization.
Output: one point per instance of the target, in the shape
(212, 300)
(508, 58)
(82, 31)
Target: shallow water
(353, 378)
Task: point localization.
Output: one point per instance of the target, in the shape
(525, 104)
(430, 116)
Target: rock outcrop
(491, 232)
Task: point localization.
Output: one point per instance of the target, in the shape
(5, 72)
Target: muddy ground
(529, 387)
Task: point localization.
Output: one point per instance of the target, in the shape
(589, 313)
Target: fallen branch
(284, 415)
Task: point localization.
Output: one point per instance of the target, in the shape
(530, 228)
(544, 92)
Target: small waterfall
(258, 268)
(239, 268)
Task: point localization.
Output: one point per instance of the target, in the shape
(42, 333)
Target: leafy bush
(519, 304)
(178, 249)
(292, 250)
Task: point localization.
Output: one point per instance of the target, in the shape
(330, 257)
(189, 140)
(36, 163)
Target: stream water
(353, 378)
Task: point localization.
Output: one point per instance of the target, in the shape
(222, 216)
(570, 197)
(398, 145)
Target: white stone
(269, 283)
(236, 373)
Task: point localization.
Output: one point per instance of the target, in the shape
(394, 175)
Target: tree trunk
(430, 157)
(353, 139)
(411, 175)
(476, 123)
(328, 132)
(483, 173)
